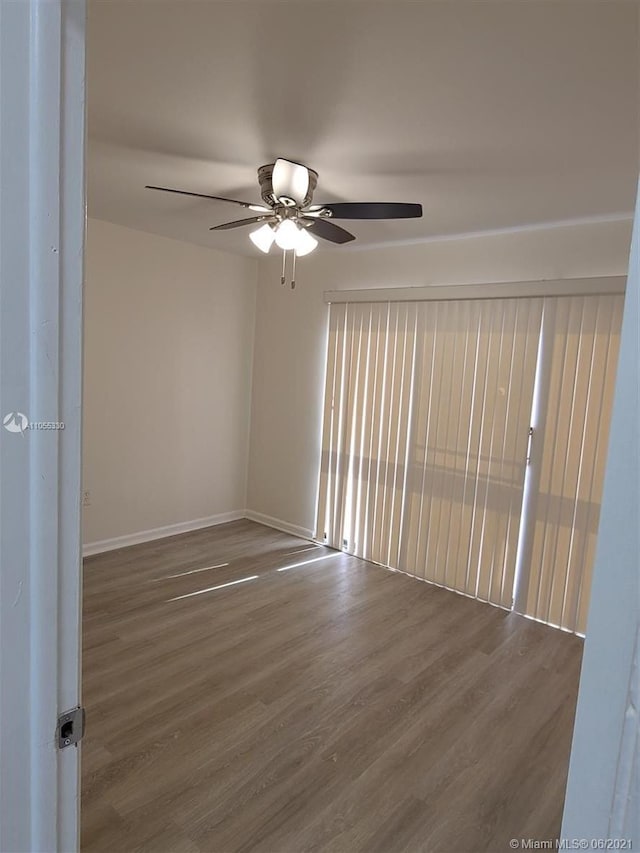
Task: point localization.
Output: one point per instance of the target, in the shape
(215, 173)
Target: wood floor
(334, 706)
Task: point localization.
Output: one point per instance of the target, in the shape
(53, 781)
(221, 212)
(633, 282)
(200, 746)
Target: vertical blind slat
(326, 463)
(463, 373)
(408, 444)
(365, 428)
(375, 411)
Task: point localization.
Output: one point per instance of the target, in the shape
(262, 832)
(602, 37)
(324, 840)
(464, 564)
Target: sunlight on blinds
(585, 337)
(425, 437)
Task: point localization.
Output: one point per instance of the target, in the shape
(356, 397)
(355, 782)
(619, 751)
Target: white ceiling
(491, 114)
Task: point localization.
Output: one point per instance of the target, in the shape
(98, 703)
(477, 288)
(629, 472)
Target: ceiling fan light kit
(305, 243)
(288, 217)
(263, 238)
(287, 234)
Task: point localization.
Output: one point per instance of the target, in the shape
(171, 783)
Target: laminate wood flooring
(249, 691)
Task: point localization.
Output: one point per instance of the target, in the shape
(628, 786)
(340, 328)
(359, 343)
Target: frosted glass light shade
(263, 238)
(287, 234)
(306, 243)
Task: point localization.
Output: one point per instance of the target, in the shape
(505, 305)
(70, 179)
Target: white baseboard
(279, 524)
(160, 532)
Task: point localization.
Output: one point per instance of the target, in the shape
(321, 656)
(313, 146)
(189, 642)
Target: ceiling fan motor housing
(266, 186)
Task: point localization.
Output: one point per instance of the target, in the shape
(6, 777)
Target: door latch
(70, 728)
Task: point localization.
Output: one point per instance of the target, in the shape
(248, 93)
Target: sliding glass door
(578, 359)
(426, 438)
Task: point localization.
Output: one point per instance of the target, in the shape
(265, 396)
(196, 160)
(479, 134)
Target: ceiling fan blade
(373, 210)
(246, 204)
(238, 223)
(329, 231)
(290, 180)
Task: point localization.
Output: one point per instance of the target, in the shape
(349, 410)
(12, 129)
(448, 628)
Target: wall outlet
(86, 498)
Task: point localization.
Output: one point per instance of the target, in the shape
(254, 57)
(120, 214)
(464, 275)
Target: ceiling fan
(290, 219)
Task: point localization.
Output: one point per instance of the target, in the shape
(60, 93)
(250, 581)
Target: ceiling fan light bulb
(306, 243)
(287, 235)
(263, 238)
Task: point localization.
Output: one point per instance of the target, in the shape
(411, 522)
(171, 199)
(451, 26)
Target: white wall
(167, 381)
(291, 329)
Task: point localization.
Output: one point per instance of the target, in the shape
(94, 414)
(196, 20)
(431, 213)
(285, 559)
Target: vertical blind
(584, 335)
(425, 437)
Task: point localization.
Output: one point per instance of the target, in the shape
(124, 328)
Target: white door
(42, 210)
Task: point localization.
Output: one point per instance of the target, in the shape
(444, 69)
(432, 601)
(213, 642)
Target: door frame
(42, 227)
(602, 787)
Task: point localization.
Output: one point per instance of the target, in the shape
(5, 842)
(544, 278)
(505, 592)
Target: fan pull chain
(283, 278)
